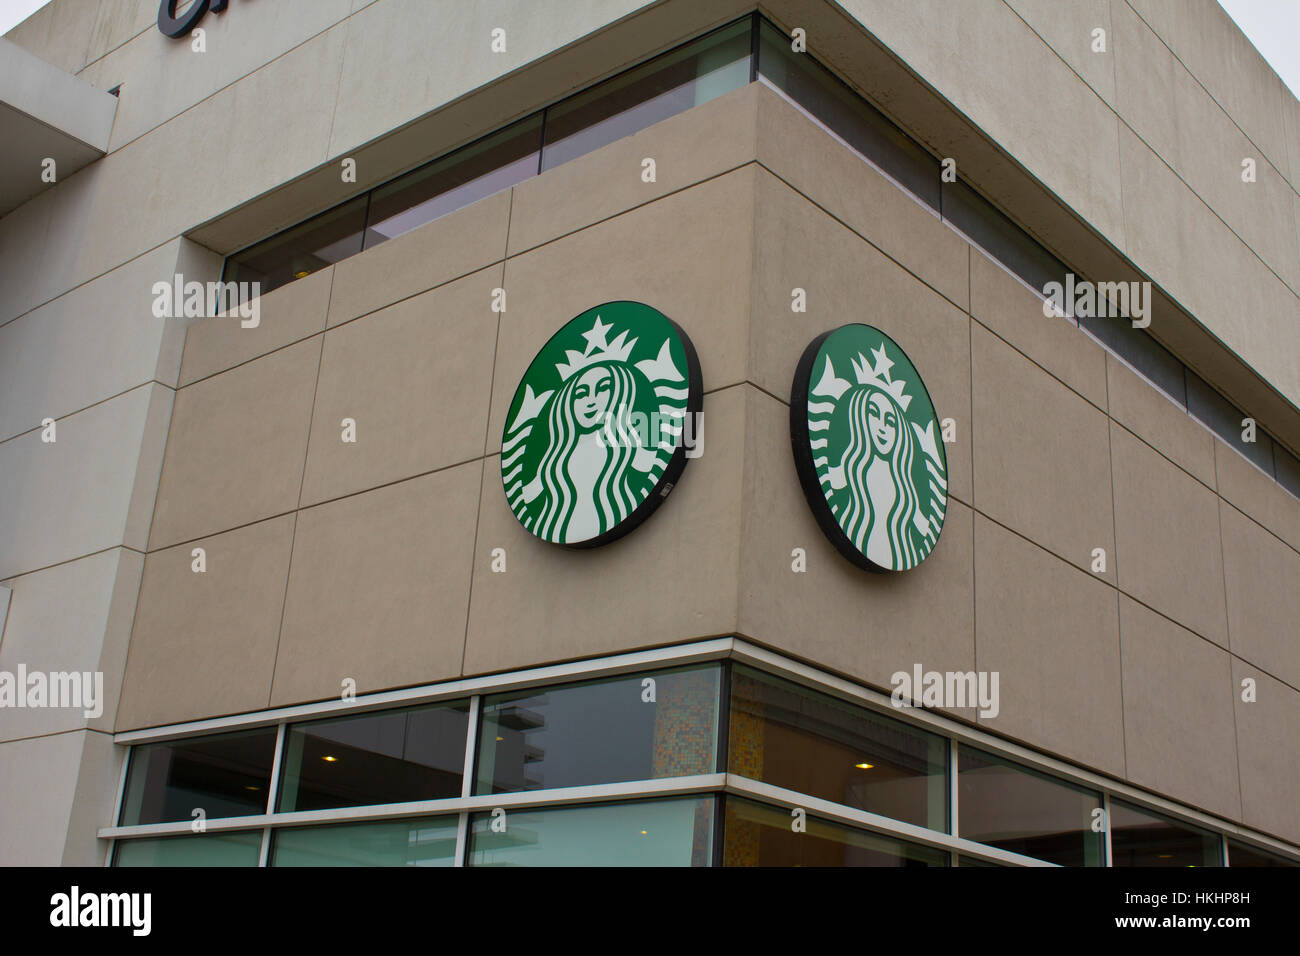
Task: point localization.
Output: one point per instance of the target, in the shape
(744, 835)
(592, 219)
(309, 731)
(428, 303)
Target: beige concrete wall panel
(416, 378)
(237, 446)
(1041, 456)
(379, 588)
(1266, 752)
(1262, 575)
(1167, 546)
(1178, 721)
(672, 579)
(1146, 411)
(1051, 633)
(449, 247)
(865, 625)
(845, 279)
(73, 496)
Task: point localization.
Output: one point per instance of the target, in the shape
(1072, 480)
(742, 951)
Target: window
(238, 848)
(783, 734)
(635, 833)
(1017, 809)
(488, 166)
(1242, 854)
(1141, 838)
(842, 110)
(604, 731)
(755, 834)
(427, 841)
(302, 250)
(387, 757)
(227, 775)
(669, 84)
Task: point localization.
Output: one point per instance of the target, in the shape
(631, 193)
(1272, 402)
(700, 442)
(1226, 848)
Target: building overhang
(46, 114)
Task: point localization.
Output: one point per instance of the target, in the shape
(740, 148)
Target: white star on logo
(883, 363)
(596, 336)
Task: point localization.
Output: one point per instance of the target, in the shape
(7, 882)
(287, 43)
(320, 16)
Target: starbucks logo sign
(868, 448)
(600, 426)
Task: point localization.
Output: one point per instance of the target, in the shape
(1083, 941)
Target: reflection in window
(667, 85)
(386, 757)
(302, 250)
(226, 775)
(1011, 807)
(485, 167)
(428, 841)
(677, 832)
(1243, 854)
(240, 848)
(603, 731)
(1142, 838)
(755, 834)
(792, 737)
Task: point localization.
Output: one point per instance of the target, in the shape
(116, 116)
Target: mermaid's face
(591, 397)
(882, 422)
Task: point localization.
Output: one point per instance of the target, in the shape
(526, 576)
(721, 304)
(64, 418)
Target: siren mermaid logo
(601, 425)
(868, 450)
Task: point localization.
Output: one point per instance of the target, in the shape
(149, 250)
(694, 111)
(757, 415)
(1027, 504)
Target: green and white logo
(601, 425)
(868, 448)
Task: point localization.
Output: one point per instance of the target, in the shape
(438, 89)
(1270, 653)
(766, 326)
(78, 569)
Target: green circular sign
(598, 431)
(868, 448)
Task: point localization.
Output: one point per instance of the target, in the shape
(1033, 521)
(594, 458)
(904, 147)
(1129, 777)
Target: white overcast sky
(1272, 25)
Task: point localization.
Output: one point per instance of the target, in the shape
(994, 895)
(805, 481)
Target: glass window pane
(1224, 419)
(845, 113)
(990, 229)
(758, 835)
(302, 250)
(602, 731)
(427, 841)
(976, 861)
(1142, 838)
(637, 833)
(1011, 807)
(226, 775)
(1287, 468)
(385, 757)
(792, 737)
(1142, 352)
(665, 86)
(1241, 854)
(240, 848)
(480, 169)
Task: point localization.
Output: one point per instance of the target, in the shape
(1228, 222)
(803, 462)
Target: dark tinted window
(1142, 838)
(1142, 352)
(845, 113)
(387, 757)
(302, 250)
(989, 228)
(1225, 420)
(667, 85)
(1241, 854)
(1011, 807)
(603, 731)
(224, 776)
(493, 163)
